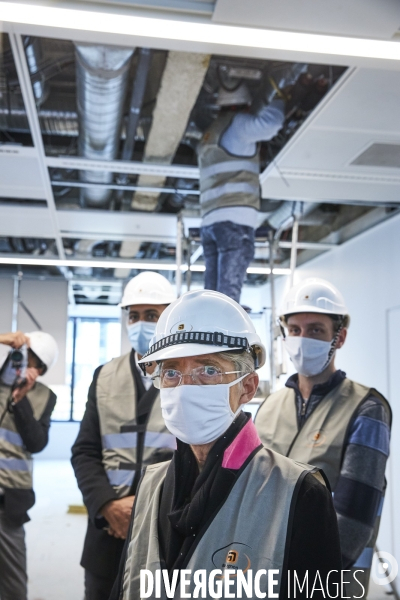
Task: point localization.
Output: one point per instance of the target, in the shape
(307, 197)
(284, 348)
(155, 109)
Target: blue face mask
(140, 334)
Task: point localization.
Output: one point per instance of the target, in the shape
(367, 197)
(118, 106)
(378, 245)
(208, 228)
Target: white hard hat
(314, 295)
(44, 346)
(148, 288)
(204, 322)
(237, 97)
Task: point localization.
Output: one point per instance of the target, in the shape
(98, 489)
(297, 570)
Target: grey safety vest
(15, 461)
(320, 441)
(116, 405)
(233, 540)
(225, 179)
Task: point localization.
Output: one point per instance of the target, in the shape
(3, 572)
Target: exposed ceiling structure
(98, 142)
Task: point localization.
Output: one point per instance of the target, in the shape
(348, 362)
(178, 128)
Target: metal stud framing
(33, 119)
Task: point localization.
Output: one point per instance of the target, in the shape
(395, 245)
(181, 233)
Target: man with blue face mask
(224, 502)
(323, 418)
(122, 430)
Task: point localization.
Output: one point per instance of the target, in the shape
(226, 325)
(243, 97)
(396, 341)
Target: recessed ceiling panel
(359, 118)
(25, 222)
(20, 175)
(380, 155)
(360, 18)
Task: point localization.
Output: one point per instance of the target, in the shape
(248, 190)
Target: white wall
(367, 272)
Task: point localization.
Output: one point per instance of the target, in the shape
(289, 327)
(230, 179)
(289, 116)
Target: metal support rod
(178, 276)
(30, 315)
(293, 252)
(17, 283)
(17, 302)
(273, 311)
(132, 188)
(189, 261)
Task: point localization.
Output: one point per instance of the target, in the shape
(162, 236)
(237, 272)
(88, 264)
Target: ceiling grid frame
(296, 138)
(34, 125)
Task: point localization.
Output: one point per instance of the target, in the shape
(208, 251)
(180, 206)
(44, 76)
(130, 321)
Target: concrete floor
(55, 538)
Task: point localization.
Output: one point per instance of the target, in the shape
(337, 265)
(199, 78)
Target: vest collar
(320, 389)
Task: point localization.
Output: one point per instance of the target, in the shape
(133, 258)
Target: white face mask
(310, 357)
(140, 334)
(198, 414)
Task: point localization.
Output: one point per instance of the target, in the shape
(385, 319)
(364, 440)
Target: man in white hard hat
(122, 430)
(324, 418)
(25, 410)
(224, 501)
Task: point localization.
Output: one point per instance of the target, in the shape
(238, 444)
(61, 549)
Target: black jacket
(101, 552)
(312, 539)
(35, 436)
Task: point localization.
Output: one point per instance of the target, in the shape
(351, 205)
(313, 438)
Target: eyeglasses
(205, 375)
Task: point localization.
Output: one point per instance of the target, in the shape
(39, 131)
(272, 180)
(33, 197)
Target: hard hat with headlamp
(204, 322)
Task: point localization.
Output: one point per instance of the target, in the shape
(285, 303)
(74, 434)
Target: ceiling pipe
(138, 91)
(33, 51)
(102, 74)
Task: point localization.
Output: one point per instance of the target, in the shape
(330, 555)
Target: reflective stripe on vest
(226, 180)
(15, 461)
(116, 406)
(153, 439)
(320, 441)
(10, 436)
(259, 542)
(228, 188)
(230, 166)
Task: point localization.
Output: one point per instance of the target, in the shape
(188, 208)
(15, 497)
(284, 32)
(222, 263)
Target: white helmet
(148, 288)
(204, 322)
(314, 295)
(238, 97)
(44, 346)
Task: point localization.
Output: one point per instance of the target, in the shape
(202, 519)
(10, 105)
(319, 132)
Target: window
(90, 343)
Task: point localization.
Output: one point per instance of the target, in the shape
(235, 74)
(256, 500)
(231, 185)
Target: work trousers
(228, 249)
(98, 588)
(13, 577)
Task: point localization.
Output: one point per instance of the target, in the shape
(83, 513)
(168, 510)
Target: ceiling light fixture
(86, 19)
(113, 264)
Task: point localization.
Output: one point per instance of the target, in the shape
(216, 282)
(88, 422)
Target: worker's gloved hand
(30, 377)
(15, 339)
(118, 514)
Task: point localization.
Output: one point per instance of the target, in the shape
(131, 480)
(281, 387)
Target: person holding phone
(25, 411)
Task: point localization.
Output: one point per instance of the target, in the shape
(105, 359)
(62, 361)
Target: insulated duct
(283, 218)
(102, 73)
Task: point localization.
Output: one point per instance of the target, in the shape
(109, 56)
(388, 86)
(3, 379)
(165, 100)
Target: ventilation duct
(283, 218)
(102, 73)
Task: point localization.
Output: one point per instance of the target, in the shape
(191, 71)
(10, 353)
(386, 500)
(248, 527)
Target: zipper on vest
(302, 414)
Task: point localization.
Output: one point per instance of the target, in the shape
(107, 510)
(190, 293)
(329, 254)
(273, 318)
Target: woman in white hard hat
(323, 418)
(121, 430)
(224, 501)
(25, 410)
